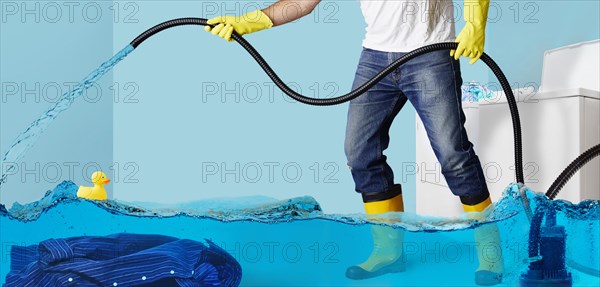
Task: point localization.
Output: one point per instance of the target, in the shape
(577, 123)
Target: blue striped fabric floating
(122, 259)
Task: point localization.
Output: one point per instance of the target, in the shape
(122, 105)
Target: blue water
(292, 243)
(28, 138)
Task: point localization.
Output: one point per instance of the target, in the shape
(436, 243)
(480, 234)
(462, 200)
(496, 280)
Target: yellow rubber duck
(96, 192)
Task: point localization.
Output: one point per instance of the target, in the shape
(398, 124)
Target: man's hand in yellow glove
(472, 37)
(248, 23)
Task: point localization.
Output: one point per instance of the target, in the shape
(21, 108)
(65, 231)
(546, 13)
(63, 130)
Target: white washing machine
(559, 122)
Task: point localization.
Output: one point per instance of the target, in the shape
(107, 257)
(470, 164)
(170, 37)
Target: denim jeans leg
(369, 119)
(432, 83)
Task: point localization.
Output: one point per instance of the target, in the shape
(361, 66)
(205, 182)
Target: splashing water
(28, 138)
(276, 241)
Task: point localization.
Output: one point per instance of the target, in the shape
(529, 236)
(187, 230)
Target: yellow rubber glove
(472, 37)
(248, 23)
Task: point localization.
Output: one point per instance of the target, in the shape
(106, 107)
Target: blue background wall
(169, 121)
(525, 29)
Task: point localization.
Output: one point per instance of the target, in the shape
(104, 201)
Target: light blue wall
(54, 44)
(518, 36)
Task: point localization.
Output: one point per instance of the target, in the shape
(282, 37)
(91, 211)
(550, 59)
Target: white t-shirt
(404, 25)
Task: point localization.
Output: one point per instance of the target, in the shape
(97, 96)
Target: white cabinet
(559, 122)
(556, 128)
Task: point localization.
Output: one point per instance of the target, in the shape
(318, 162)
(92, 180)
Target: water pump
(547, 245)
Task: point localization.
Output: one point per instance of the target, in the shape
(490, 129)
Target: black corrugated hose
(360, 90)
(571, 169)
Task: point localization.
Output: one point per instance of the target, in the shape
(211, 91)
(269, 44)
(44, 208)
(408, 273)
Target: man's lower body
(432, 83)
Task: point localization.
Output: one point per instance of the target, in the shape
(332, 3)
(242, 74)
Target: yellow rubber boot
(386, 256)
(487, 245)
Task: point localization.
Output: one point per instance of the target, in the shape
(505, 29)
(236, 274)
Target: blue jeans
(432, 83)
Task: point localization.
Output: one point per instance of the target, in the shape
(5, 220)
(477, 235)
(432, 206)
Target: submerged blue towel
(122, 260)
